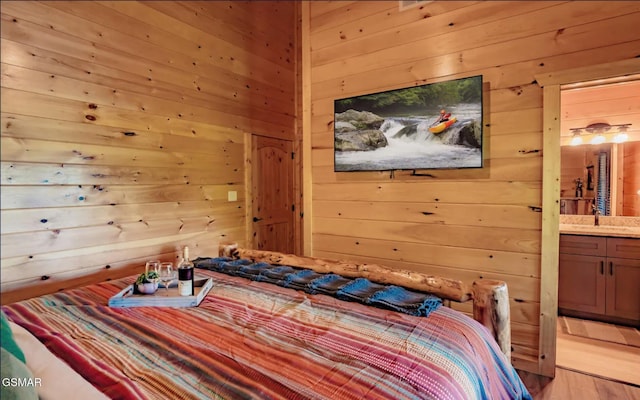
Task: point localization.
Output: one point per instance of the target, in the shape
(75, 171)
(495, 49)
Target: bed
(257, 339)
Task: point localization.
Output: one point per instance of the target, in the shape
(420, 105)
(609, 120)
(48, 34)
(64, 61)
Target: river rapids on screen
(419, 149)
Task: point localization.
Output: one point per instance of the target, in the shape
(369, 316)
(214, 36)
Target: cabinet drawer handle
(601, 267)
(611, 268)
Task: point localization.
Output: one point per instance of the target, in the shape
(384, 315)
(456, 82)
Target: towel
(209, 263)
(360, 289)
(240, 262)
(252, 271)
(400, 299)
(276, 274)
(327, 284)
(299, 280)
(233, 267)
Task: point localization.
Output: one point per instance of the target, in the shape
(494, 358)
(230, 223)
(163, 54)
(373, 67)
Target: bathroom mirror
(604, 175)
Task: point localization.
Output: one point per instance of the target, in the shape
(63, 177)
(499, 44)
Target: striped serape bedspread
(256, 340)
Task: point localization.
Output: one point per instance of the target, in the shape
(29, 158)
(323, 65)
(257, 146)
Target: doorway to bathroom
(589, 187)
(551, 343)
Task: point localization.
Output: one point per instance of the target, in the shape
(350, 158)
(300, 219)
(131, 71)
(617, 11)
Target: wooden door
(581, 283)
(623, 288)
(272, 194)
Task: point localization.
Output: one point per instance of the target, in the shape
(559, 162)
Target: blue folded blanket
(252, 271)
(240, 262)
(212, 264)
(360, 289)
(327, 284)
(234, 267)
(400, 299)
(299, 280)
(276, 274)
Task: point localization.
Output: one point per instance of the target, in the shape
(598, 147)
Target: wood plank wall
(123, 129)
(462, 224)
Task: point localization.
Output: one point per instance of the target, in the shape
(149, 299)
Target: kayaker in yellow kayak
(444, 116)
(443, 122)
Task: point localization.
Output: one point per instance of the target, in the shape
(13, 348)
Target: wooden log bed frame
(490, 297)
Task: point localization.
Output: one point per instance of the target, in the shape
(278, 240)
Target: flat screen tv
(432, 126)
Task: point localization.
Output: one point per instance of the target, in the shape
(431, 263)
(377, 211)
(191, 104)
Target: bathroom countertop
(577, 198)
(600, 230)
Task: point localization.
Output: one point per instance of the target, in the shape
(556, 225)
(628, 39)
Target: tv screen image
(432, 126)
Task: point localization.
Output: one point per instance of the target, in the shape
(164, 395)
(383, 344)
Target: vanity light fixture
(576, 139)
(598, 139)
(597, 133)
(621, 136)
(599, 130)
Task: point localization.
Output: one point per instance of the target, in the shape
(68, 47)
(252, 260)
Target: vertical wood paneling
(307, 142)
(550, 231)
(380, 217)
(124, 126)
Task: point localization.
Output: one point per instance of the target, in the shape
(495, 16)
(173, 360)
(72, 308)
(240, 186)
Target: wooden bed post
(228, 250)
(491, 309)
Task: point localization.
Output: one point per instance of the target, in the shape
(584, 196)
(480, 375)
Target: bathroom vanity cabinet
(599, 278)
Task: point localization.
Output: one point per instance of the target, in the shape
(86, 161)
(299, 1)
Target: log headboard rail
(490, 297)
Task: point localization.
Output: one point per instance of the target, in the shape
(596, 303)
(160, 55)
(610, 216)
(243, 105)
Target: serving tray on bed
(162, 297)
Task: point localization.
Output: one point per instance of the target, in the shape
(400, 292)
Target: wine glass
(151, 266)
(166, 274)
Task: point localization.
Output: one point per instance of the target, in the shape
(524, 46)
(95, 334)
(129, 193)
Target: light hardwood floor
(589, 370)
(599, 358)
(570, 385)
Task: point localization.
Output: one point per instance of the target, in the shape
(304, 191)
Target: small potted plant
(147, 282)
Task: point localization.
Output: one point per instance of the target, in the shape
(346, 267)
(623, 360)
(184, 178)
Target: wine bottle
(185, 275)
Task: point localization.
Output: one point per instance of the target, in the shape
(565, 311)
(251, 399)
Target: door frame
(552, 84)
(248, 189)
